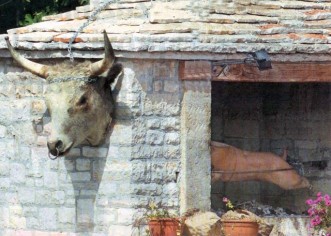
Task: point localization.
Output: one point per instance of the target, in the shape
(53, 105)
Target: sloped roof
(228, 26)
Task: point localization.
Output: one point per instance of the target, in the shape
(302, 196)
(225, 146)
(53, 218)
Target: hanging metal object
(260, 59)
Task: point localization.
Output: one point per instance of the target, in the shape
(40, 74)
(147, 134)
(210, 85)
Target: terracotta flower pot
(165, 227)
(240, 227)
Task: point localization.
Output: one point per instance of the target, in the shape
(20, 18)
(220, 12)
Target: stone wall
(271, 117)
(7, 66)
(99, 190)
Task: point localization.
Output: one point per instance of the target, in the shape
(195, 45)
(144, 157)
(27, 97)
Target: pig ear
(285, 152)
(113, 73)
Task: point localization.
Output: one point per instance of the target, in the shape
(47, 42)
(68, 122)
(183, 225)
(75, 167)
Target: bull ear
(35, 68)
(113, 73)
(103, 65)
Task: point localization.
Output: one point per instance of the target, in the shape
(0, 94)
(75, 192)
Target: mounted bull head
(78, 98)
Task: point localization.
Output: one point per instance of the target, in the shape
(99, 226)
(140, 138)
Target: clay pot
(240, 227)
(165, 227)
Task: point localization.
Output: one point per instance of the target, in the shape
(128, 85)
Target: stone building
(170, 105)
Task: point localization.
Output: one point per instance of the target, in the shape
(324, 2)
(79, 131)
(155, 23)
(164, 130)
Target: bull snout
(56, 148)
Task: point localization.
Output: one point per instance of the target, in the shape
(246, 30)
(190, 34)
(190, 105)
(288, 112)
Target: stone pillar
(195, 151)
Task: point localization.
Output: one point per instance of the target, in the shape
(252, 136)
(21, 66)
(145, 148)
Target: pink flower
(320, 212)
(316, 221)
(311, 211)
(309, 202)
(225, 199)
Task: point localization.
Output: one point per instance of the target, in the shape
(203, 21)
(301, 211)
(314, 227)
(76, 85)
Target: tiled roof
(228, 26)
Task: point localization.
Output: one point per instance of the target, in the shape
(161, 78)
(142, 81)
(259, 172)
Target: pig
(258, 166)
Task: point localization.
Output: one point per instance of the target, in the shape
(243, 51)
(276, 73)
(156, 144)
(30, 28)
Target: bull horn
(99, 67)
(35, 68)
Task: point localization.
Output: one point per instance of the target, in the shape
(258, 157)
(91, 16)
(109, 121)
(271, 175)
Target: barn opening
(271, 117)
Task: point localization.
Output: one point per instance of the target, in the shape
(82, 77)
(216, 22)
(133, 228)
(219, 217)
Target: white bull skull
(78, 98)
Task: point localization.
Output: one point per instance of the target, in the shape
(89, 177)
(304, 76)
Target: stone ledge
(98, 54)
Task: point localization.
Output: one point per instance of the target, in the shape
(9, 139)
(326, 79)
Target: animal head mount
(78, 97)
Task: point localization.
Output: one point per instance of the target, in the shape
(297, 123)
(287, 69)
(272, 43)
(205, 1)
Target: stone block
(158, 86)
(105, 217)
(67, 215)
(41, 141)
(161, 104)
(26, 195)
(107, 189)
(85, 212)
(306, 144)
(5, 184)
(38, 107)
(147, 189)
(83, 164)
(171, 86)
(171, 190)
(74, 152)
(171, 152)
(80, 176)
(4, 169)
(51, 179)
(94, 151)
(120, 230)
(170, 124)
(141, 172)
(17, 173)
(66, 164)
(125, 216)
(3, 131)
(155, 137)
(7, 90)
(117, 171)
(48, 218)
(58, 197)
(172, 138)
(153, 123)
(43, 196)
(122, 133)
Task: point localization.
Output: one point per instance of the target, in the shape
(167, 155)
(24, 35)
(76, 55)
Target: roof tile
(166, 28)
(119, 14)
(167, 37)
(71, 15)
(118, 38)
(318, 14)
(228, 26)
(108, 25)
(170, 16)
(318, 24)
(36, 36)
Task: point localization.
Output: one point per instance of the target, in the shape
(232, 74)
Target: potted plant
(320, 214)
(162, 223)
(236, 222)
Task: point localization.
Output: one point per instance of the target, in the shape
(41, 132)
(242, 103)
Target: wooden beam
(280, 72)
(195, 70)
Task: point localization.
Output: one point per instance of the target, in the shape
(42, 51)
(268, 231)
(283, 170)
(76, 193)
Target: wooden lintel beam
(280, 72)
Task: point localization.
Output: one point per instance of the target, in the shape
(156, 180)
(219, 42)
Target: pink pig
(233, 164)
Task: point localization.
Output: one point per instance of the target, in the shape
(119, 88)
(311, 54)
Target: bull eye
(82, 101)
